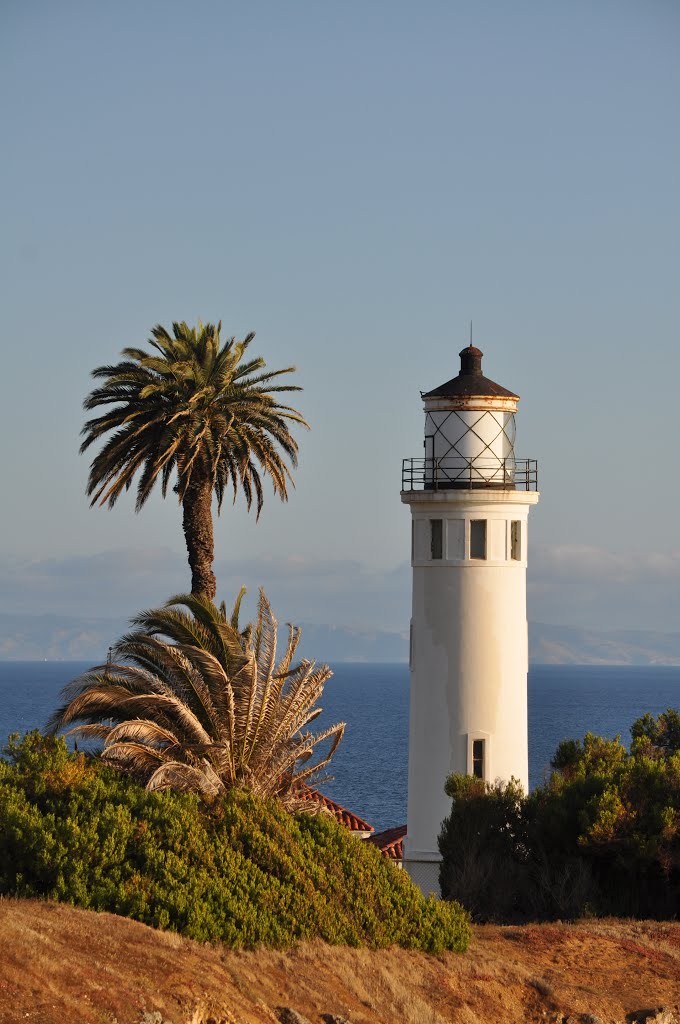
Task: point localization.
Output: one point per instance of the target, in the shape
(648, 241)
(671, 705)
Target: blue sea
(370, 766)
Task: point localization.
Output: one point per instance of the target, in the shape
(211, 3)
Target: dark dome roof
(470, 381)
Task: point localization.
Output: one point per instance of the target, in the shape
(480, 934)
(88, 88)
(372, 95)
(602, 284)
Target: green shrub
(483, 844)
(618, 813)
(242, 872)
(601, 837)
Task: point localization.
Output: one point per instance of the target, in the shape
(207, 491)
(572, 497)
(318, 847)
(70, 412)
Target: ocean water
(370, 766)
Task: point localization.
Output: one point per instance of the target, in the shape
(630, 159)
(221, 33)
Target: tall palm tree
(193, 703)
(191, 411)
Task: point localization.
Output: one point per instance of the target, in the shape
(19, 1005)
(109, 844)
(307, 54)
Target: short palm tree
(192, 411)
(191, 702)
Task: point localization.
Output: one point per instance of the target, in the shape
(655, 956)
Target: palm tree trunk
(198, 534)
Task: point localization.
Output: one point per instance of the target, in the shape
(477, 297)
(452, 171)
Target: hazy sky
(354, 182)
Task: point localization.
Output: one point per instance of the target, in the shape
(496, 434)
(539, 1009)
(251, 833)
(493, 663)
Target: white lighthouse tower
(470, 499)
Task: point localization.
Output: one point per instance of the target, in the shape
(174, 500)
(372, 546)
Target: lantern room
(469, 433)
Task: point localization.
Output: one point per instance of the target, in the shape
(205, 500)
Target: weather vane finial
(471, 334)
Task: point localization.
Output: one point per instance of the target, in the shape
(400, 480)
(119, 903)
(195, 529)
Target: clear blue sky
(354, 182)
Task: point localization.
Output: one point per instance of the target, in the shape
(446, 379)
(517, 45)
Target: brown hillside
(59, 965)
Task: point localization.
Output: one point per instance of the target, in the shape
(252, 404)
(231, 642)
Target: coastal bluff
(60, 964)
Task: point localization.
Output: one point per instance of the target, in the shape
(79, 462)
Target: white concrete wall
(469, 655)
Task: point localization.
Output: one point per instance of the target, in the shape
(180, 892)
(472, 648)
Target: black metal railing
(457, 473)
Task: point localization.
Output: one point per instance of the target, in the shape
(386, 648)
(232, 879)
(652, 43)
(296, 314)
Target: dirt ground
(59, 965)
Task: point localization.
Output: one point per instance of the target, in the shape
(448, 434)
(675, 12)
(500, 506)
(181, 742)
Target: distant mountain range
(70, 638)
(569, 645)
(57, 637)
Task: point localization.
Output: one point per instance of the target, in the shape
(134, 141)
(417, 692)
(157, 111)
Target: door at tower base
(424, 873)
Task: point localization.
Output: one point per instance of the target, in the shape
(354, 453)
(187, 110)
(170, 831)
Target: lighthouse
(469, 498)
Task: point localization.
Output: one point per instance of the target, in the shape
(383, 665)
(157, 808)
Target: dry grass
(59, 965)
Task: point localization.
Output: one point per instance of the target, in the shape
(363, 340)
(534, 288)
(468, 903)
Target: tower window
(436, 538)
(478, 759)
(478, 538)
(516, 540)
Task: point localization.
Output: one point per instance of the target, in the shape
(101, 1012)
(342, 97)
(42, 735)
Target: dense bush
(483, 847)
(241, 872)
(601, 837)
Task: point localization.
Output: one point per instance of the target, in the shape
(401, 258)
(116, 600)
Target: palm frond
(193, 702)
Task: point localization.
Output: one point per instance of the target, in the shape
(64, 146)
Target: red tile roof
(390, 842)
(352, 821)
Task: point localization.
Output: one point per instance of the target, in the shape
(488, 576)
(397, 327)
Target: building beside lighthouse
(469, 497)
